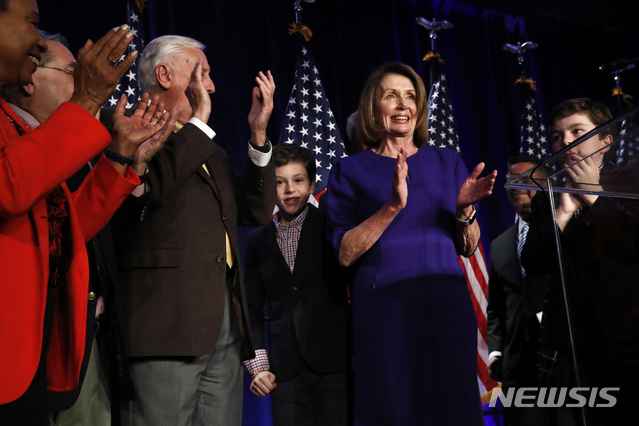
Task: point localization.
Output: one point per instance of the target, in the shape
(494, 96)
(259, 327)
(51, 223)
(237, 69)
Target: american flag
(628, 145)
(309, 120)
(443, 133)
(534, 142)
(441, 123)
(129, 84)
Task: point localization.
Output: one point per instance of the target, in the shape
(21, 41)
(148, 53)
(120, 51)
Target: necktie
(229, 253)
(520, 245)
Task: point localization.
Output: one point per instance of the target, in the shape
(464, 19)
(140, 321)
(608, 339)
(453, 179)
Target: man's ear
(164, 76)
(312, 188)
(28, 89)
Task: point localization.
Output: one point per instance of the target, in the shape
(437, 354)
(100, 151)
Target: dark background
(352, 38)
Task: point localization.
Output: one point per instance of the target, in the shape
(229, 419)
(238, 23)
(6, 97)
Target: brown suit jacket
(175, 266)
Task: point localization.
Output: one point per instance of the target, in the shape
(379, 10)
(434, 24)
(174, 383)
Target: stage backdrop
(351, 38)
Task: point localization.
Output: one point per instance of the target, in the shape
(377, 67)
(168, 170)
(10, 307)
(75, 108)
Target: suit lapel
(305, 249)
(274, 249)
(209, 178)
(513, 233)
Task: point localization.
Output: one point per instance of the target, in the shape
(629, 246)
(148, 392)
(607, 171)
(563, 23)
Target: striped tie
(520, 245)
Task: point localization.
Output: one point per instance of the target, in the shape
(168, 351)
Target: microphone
(619, 65)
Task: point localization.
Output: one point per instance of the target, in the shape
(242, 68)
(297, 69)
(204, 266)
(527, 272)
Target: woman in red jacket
(44, 269)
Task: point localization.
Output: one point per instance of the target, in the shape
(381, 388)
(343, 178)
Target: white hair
(158, 51)
(351, 122)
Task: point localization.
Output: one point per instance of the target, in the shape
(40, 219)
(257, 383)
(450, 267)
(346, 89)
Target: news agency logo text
(549, 397)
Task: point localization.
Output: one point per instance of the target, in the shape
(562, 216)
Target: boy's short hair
(289, 153)
(596, 112)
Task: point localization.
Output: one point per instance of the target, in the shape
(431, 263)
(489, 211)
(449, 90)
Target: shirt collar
(25, 116)
(297, 222)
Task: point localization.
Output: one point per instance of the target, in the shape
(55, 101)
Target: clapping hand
(583, 173)
(474, 188)
(262, 107)
(400, 187)
(145, 131)
(197, 94)
(96, 74)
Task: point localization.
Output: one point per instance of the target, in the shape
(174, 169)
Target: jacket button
(224, 218)
(294, 288)
(219, 259)
(92, 295)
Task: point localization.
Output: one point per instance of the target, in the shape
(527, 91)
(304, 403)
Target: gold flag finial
(301, 29)
(140, 5)
(524, 79)
(432, 55)
(625, 97)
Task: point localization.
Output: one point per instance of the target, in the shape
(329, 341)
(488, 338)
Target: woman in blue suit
(400, 212)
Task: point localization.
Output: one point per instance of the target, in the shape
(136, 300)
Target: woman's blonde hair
(370, 132)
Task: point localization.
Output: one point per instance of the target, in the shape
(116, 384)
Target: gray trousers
(204, 390)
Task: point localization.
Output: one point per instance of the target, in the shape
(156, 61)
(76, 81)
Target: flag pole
(433, 26)
(627, 147)
(533, 140)
(297, 26)
(297, 7)
(615, 68)
(443, 134)
(309, 121)
(519, 50)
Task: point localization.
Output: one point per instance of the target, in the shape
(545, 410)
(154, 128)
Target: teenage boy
(599, 237)
(294, 280)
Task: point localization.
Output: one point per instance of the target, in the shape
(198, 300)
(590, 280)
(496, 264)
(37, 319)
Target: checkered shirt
(257, 364)
(288, 236)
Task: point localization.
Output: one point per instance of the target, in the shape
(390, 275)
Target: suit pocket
(153, 258)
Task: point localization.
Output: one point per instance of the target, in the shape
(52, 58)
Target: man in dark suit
(293, 278)
(513, 302)
(187, 322)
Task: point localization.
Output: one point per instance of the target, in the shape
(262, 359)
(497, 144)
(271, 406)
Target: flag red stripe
(477, 283)
(482, 372)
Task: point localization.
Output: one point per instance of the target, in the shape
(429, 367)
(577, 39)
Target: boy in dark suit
(293, 279)
(599, 237)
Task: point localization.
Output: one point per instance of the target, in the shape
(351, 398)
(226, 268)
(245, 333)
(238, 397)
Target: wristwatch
(471, 218)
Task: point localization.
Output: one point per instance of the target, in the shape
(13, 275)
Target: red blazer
(30, 167)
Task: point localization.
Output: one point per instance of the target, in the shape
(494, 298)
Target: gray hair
(59, 38)
(158, 51)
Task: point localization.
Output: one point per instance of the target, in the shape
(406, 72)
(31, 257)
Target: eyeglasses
(526, 180)
(65, 70)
